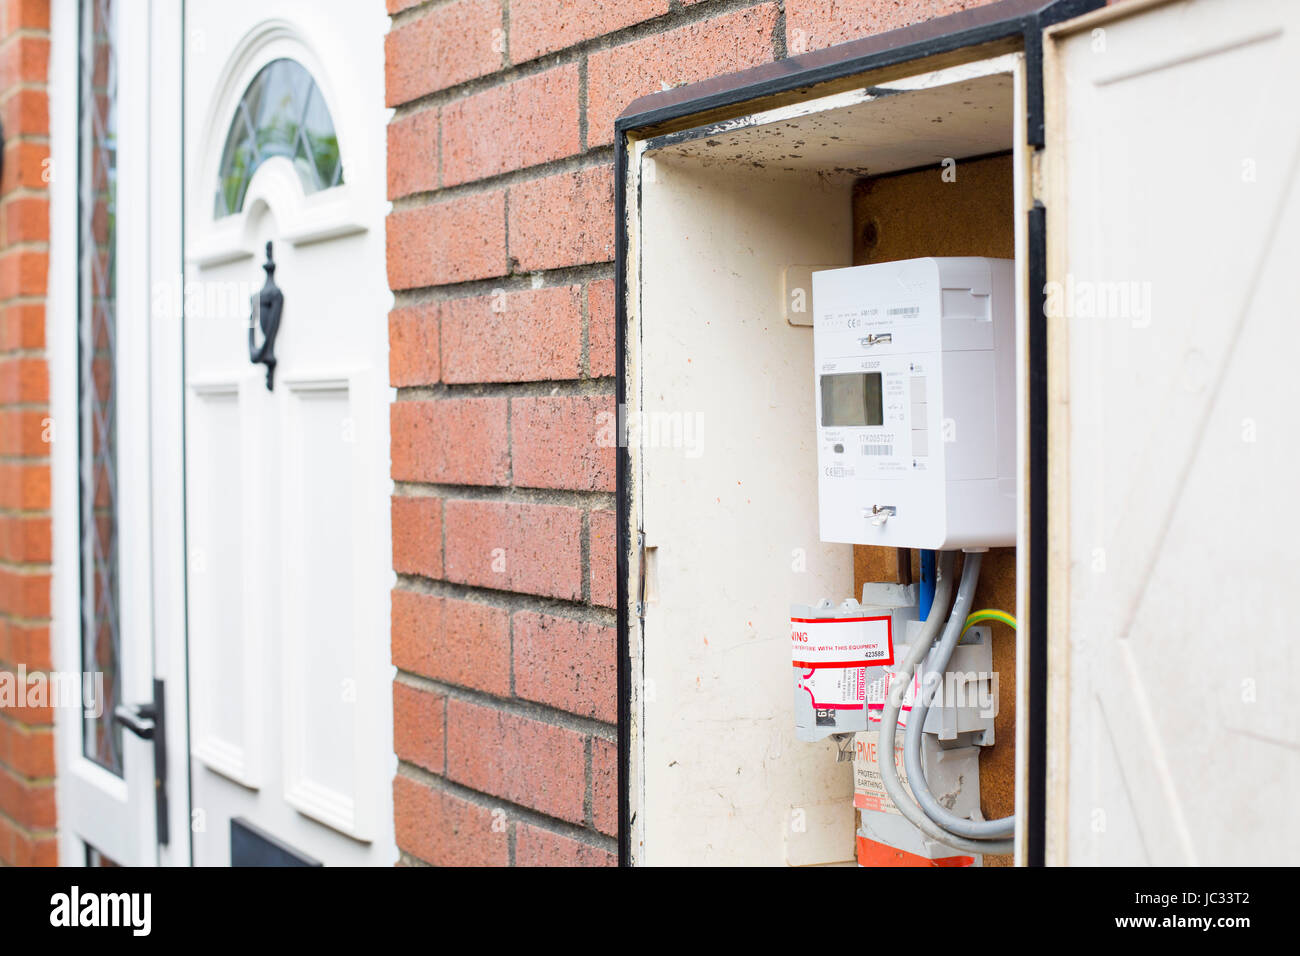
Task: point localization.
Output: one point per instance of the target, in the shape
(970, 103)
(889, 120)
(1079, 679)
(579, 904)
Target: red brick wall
(27, 816)
(500, 249)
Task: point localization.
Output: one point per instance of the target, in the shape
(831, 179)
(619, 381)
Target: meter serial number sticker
(841, 642)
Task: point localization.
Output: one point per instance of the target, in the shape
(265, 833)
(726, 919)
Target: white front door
(286, 462)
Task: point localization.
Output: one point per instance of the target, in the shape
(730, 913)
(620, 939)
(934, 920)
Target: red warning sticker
(841, 642)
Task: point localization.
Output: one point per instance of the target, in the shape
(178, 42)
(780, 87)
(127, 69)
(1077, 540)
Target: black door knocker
(267, 305)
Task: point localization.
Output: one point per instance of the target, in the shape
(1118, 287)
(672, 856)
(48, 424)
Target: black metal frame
(1018, 22)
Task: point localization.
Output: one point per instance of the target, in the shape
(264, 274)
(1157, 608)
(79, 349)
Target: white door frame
(117, 816)
(167, 376)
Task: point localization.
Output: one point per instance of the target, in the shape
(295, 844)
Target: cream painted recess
(729, 511)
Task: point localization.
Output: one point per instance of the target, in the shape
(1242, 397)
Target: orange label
(871, 853)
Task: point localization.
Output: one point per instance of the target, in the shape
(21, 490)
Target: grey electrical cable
(916, 782)
(889, 725)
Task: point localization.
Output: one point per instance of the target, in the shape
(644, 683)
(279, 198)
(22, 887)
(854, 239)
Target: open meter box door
(1145, 367)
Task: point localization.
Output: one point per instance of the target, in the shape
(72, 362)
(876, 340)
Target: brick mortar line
(678, 16)
(779, 39)
(31, 783)
(24, 245)
(573, 163)
(584, 556)
(20, 621)
(27, 785)
(541, 388)
(26, 567)
(23, 86)
(513, 282)
(24, 32)
(37, 139)
(584, 349)
(514, 706)
(18, 726)
(416, 11)
(25, 192)
(512, 602)
(24, 352)
(510, 639)
(512, 844)
(508, 59)
(564, 497)
(44, 781)
(588, 801)
(516, 601)
(515, 812)
(583, 100)
(36, 833)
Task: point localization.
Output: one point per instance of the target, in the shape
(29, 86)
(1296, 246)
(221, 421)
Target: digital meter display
(852, 399)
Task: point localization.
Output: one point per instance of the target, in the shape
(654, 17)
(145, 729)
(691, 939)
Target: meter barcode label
(877, 449)
(904, 310)
(841, 642)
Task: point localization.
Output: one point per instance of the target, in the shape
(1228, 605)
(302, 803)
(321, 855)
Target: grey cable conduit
(889, 726)
(920, 787)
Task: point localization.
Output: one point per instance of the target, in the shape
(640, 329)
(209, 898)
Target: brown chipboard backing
(925, 213)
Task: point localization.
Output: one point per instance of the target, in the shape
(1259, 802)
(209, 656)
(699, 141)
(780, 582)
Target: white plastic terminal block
(966, 696)
(915, 393)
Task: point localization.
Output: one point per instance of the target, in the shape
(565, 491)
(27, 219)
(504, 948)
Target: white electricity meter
(915, 392)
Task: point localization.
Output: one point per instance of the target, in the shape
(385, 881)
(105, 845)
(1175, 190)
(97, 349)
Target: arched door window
(282, 113)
